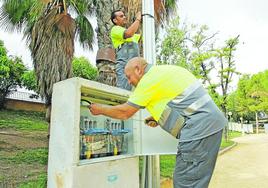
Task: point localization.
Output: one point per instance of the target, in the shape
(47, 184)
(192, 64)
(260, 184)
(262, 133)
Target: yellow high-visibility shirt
(158, 86)
(117, 36)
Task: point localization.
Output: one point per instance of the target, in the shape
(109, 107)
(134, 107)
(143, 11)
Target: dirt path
(245, 166)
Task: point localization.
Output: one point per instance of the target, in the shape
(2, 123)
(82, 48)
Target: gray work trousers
(123, 55)
(195, 162)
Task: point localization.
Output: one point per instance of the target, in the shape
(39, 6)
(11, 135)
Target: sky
(248, 18)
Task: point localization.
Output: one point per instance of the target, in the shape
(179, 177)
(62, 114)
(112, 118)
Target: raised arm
(129, 32)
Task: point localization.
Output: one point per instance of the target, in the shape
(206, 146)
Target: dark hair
(113, 14)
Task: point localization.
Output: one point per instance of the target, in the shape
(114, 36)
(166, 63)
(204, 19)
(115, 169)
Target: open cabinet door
(153, 140)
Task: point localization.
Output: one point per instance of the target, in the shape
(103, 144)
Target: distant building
(20, 100)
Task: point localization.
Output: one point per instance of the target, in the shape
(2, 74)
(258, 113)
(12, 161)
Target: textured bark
(104, 8)
(2, 100)
(107, 74)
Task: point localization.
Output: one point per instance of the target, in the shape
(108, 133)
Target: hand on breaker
(151, 122)
(95, 109)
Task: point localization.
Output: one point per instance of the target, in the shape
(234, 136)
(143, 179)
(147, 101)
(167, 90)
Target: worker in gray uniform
(125, 42)
(178, 103)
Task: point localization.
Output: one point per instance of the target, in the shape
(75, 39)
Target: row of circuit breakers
(101, 137)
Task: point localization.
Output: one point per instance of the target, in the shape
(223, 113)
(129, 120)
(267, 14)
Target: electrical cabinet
(89, 151)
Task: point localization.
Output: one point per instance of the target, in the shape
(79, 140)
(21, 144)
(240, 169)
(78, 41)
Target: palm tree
(50, 31)
(103, 8)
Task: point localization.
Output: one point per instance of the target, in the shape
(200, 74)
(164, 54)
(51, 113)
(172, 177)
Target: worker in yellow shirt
(125, 42)
(178, 103)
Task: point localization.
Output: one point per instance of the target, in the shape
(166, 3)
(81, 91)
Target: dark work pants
(123, 55)
(195, 162)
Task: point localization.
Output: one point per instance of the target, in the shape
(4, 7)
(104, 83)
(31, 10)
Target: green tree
(11, 70)
(83, 68)
(258, 94)
(251, 96)
(242, 101)
(29, 80)
(226, 68)
(259, 91)
(237, 104)
(190, 47)
(173, 49)
(50, 30)
(225, 65)
(202, 45)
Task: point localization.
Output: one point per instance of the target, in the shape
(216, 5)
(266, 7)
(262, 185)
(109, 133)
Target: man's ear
(138, 70)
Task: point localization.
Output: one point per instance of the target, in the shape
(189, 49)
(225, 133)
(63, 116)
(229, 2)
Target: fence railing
(246, 128)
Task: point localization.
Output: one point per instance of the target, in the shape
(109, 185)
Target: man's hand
(95, 109)
(150, 121)
(138, 16)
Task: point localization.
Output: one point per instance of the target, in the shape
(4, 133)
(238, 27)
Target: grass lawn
(229, 142)
(23, 150)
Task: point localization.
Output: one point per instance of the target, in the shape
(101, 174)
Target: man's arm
(129, 32)
(122, 111)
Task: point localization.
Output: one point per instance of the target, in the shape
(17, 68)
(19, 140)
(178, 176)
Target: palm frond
(160, 11)
(36, 11)
(52, 47)
(13, 14)
(82, 7)
(170, 7)
(16, 15)
(66, 24)
(164, 9)
(84, 32)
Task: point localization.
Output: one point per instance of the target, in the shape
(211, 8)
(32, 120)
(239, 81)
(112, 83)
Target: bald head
(136, 62)
(135, 69)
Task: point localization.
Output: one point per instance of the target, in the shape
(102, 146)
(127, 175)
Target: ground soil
(12, 142)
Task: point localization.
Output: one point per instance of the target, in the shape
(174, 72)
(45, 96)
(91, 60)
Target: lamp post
(230, 114)
(229, 119)
(151, 165)
(242, 127)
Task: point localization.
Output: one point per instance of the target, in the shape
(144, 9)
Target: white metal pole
(149, 51)
(152, 166)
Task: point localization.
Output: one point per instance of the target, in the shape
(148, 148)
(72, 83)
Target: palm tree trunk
(52, 48)
(2, 100)
(106, 68)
